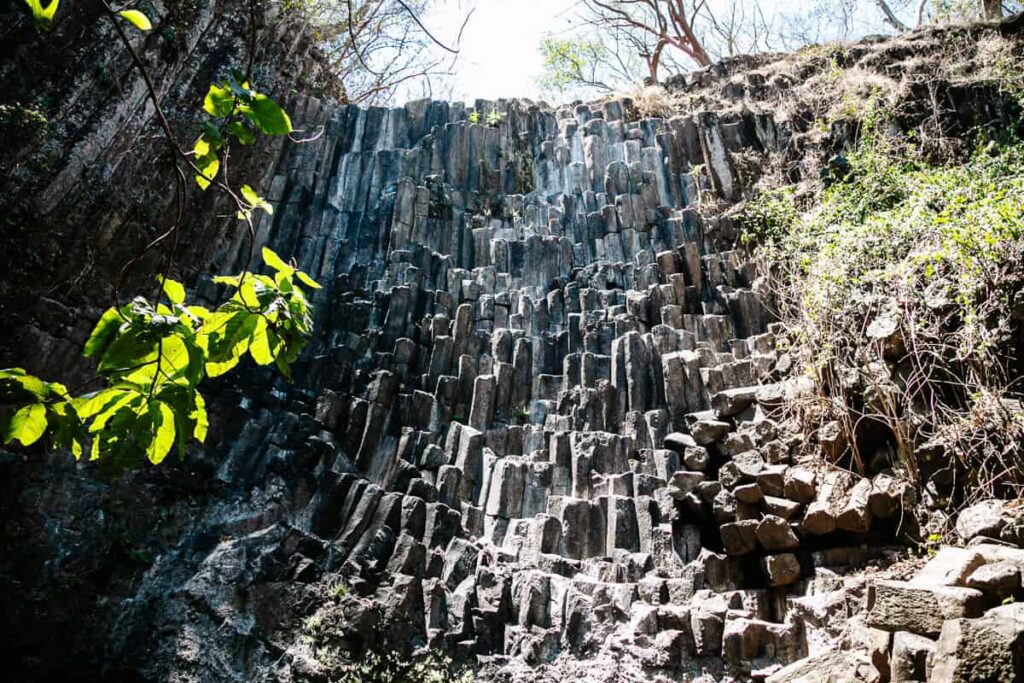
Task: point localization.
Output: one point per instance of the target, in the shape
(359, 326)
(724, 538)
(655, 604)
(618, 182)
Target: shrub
(896, 285)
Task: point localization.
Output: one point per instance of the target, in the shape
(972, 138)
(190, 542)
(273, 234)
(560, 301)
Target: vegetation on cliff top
(900, 287)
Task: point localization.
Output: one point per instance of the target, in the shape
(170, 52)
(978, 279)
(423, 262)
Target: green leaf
(17, 386)
(219, 101)
(200, 418)
(26, 425)
(256, 201)
(131, 350)
(66, 427)
(242, 132)
(174, 290)
(231, 280)
(267, 115)
(125, 399)
(92, 404)
(206, 161)
(229, 336)
(104, 333)
(275, 262)
(137, 19)
(42, 17)
(163, 432)
(259, 347)
(307, 280)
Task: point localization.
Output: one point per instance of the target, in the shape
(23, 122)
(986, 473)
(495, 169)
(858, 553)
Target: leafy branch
(152, 358)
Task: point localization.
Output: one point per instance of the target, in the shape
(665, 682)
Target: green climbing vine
(152, 354)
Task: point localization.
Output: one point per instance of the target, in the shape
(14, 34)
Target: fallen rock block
(746, 639)
(781, 570)
(740, 538)
(984, 519)
(679, 442)
(998, 580)
(910, 657)
(684, 482)
(830, 666)
(990, 648)
(856, 514)
(774, 534)
(800, 484)
(950, 567)
(733, 401)
(821, 516)
(900, 606)
(706, 432)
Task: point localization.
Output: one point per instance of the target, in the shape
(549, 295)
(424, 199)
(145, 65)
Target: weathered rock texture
(535, 427)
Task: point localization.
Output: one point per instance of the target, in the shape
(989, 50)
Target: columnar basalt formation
(544, 391)
(538, 430)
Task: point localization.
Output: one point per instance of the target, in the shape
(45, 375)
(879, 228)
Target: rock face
(535, 425)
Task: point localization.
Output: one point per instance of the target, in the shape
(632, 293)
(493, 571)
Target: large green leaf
(219, 101)
(66, 430)
(130, 351)
(174, 290)
(267, 115)
(275, 262)
(259, 347)
(26, 424)
(162, 418)
(104, 333)
(229, 337)
(17, 386)
(307, 280)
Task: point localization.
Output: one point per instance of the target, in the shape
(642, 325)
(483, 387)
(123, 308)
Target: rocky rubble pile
(957, 619)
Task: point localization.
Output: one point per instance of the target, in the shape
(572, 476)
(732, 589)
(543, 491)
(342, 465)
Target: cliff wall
(537, 429)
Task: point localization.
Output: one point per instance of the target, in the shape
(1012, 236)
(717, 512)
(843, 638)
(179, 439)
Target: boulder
(984, 519)
(775, 535)
(910, 657)
(679, 442)
(683, 483)
(800, 484)
(829, 666)
(733, 401)
(901, 606)
(781, 570)
(740, 538)
(998, 580)
(706, 432)
(990, 648)
(950, 567)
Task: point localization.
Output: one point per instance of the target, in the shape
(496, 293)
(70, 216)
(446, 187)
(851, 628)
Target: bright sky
(499, 55)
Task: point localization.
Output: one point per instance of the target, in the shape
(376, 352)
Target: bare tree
(890, 17)
(378, 48)
(651, 26)
(737, 27)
